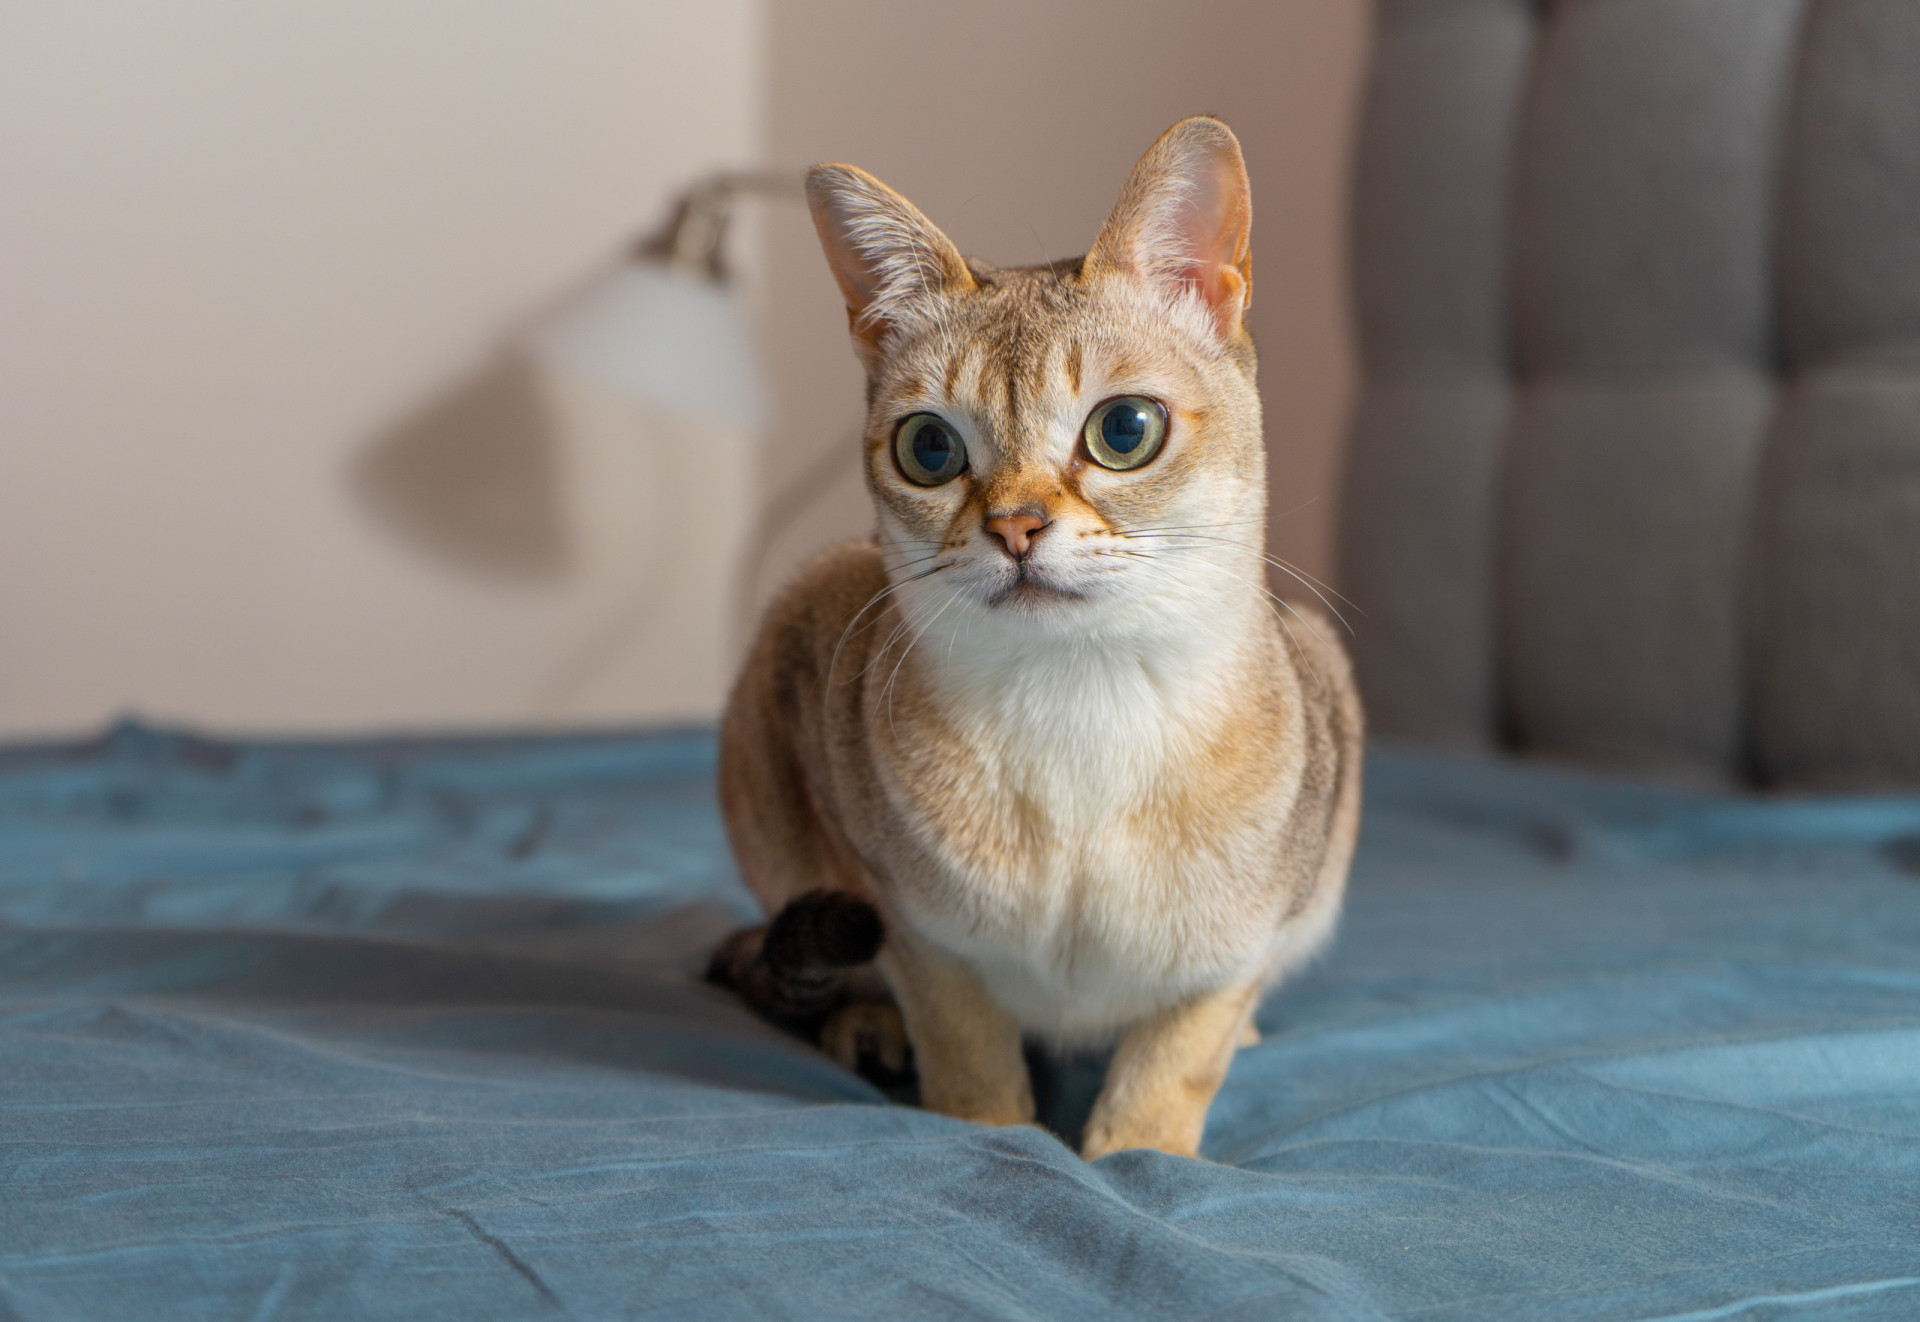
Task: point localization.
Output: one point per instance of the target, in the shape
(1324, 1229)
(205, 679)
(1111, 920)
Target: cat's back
(828, 592)
(1322, 687)
(816, 636)
(783, 719)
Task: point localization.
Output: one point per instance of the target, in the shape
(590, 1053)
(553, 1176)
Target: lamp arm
(694, 236)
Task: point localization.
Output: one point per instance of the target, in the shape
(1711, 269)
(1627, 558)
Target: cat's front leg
(966, 1048)
(1165, 1074)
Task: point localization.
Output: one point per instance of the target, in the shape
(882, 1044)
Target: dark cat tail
(790, 970)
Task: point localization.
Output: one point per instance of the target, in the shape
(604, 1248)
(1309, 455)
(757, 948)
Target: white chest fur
(1056, 855)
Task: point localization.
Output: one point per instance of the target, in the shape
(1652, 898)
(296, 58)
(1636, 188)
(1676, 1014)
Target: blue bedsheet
(411, 1031)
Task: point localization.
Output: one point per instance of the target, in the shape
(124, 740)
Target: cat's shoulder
(1316, 637)
(1313, 639)
(805, 625)
(837, 581)
(823, 597)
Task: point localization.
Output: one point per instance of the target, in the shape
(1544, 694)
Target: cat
(1043, 758)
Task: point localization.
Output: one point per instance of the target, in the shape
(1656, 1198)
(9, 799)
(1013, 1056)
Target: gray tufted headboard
(1635, 477)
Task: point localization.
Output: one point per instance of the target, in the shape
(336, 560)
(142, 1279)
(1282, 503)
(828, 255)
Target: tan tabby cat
(1049, 724)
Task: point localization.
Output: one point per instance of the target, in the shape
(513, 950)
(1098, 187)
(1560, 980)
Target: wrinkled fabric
(405, 1030)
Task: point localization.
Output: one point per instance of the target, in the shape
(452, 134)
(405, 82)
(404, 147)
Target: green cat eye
(1124, 433)
(928, 450)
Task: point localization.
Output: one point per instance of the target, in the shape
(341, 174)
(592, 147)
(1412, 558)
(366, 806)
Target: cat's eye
(928, 450)
(1126, 432)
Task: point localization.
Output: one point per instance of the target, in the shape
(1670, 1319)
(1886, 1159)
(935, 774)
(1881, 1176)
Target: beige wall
(255, 260)
(1012, 124)
(263, 464)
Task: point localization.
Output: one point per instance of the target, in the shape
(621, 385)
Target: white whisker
(883, 593)
(1298, 576)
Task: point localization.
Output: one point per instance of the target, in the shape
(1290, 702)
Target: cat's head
(1072, 446)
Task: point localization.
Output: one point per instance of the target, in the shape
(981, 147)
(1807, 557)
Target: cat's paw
(1174, 1135)
(866, 1030)
(1000, 1107)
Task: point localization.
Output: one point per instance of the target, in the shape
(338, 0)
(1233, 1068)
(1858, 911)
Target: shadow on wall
(472, 477)
(623, 536)
(822, 504)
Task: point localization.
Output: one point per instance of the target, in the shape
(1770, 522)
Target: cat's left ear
(1184, 222)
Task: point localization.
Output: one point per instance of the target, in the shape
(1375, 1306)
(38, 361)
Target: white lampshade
(669, 336)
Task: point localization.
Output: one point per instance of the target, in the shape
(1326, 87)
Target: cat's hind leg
(1165, 1074)
(866, 1033)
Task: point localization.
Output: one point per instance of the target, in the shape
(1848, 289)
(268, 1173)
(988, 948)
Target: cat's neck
(1181, 667)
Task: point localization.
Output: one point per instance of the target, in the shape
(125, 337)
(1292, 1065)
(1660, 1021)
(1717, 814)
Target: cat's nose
(1016, 531)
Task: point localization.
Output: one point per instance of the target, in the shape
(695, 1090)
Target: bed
(417, 1030)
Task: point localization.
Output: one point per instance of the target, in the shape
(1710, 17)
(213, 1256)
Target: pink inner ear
(1204, 243)
(833, 217)
(1217, 285)
(1217, 278)
(1183, 220)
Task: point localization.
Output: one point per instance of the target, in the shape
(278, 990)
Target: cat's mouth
(1027, 589)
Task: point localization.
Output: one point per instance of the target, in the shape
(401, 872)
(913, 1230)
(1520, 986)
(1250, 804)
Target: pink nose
(1017, 531)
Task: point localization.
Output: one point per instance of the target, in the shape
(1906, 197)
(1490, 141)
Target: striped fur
(1107, 793)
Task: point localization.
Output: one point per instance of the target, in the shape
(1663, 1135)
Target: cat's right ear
(890, 260)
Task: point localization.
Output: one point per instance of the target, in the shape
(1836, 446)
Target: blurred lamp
(664, 324)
